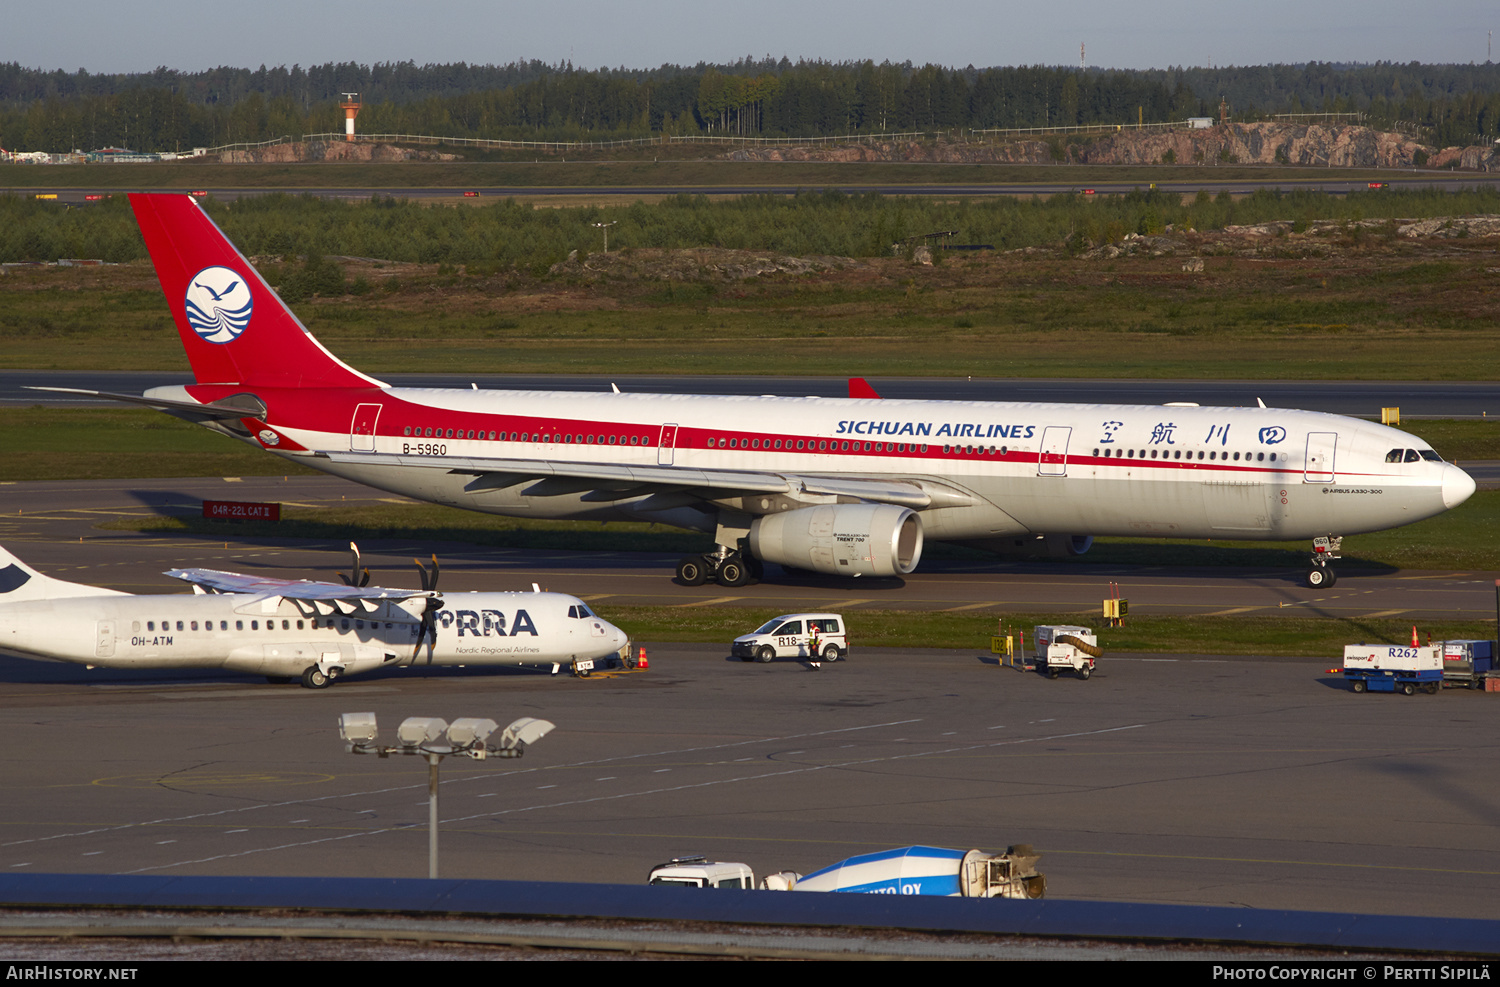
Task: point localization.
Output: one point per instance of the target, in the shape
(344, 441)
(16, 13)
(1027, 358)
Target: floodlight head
(470, 730)
(526, 730)
(415, 731)
(358, 729)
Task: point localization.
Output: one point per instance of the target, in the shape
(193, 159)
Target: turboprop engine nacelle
(843, 539)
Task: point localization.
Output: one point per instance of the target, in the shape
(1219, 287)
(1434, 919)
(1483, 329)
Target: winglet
(860, 388)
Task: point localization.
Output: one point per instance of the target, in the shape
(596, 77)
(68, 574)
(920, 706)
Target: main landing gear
(727, 568)
(315, 678)
(1321, 575)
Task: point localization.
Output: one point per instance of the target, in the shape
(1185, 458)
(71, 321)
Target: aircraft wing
(604, 476)
(332, 596)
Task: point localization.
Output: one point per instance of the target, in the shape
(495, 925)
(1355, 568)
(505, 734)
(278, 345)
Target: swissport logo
(218, 304)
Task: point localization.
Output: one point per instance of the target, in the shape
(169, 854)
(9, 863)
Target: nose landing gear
(1321, 575)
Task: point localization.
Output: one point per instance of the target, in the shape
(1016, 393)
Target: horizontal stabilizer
(212, 410)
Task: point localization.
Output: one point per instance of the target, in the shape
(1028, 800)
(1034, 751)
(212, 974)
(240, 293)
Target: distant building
(1200, 123)
(120, 155)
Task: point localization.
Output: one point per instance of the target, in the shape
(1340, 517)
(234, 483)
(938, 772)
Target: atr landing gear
(1325, 550)
(729, 569)
(315, 678)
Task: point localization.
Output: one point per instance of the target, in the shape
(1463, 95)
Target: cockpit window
(1430, 456)
(579, 611)
(1412, 457)
(1394, 456)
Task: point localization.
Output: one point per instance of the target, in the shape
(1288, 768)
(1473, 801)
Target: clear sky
(138, 35)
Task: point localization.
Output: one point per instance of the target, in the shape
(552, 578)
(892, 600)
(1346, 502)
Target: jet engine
(843, 539)
(1062, 546)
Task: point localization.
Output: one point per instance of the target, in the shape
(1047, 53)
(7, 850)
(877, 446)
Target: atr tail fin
(233, 325)
(20, 583)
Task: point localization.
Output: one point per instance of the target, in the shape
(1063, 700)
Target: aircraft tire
(692, 571)
(765, 653)
(733, 572)
(314, 678)
(1320, 577)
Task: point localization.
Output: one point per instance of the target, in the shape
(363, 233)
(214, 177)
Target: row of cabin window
(824, 445)
(449, 433)
(239, 625)
(1259, 457)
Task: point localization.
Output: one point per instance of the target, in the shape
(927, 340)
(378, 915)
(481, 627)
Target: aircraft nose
(1458, 486)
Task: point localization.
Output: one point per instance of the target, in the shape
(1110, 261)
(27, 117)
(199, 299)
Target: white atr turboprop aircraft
(849, 487)
(289, 628)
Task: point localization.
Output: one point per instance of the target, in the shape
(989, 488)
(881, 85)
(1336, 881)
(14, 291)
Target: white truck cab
(792, 636)
(700, 872)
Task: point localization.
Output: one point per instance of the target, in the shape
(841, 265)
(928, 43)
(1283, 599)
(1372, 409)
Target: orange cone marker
(641, 662)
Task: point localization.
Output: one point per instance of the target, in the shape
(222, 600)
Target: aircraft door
(1320, 457)
(104, 641)
(668, 444)
(1053, 459)
(362, 428)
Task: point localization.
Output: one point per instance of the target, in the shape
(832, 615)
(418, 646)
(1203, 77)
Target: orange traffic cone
(641, 662)
(1414, 642)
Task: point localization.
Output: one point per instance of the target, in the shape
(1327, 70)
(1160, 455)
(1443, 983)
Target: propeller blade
(427, 626)
(429, 579)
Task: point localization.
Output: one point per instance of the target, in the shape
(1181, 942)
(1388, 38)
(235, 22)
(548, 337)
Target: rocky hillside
(330, 151)
(1316, 145)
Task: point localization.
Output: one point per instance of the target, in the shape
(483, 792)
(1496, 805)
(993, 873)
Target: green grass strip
(1274, 636)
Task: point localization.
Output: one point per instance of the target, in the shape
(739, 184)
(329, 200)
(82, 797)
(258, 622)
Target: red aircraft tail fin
(235, 328)
(860, 388)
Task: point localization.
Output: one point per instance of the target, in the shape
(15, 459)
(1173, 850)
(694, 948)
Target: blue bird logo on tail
(218, 304)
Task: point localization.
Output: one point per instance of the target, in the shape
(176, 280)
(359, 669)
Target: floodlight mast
(419, 736)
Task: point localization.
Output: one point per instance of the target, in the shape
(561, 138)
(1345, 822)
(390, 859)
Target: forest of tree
(170, 110)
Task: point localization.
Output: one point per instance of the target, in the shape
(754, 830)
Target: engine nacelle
(1062, 546)
(842, 539)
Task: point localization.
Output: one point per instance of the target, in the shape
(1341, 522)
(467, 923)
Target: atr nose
(1458, 486)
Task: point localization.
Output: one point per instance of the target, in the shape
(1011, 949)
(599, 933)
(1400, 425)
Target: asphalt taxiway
(1168, 778)
(53, 526)
(1183, 779)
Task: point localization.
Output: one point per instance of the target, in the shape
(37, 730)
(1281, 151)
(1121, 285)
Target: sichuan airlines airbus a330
(849, 487)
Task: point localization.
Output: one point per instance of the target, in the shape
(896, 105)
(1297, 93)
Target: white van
(789, 636)
(700, 872)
